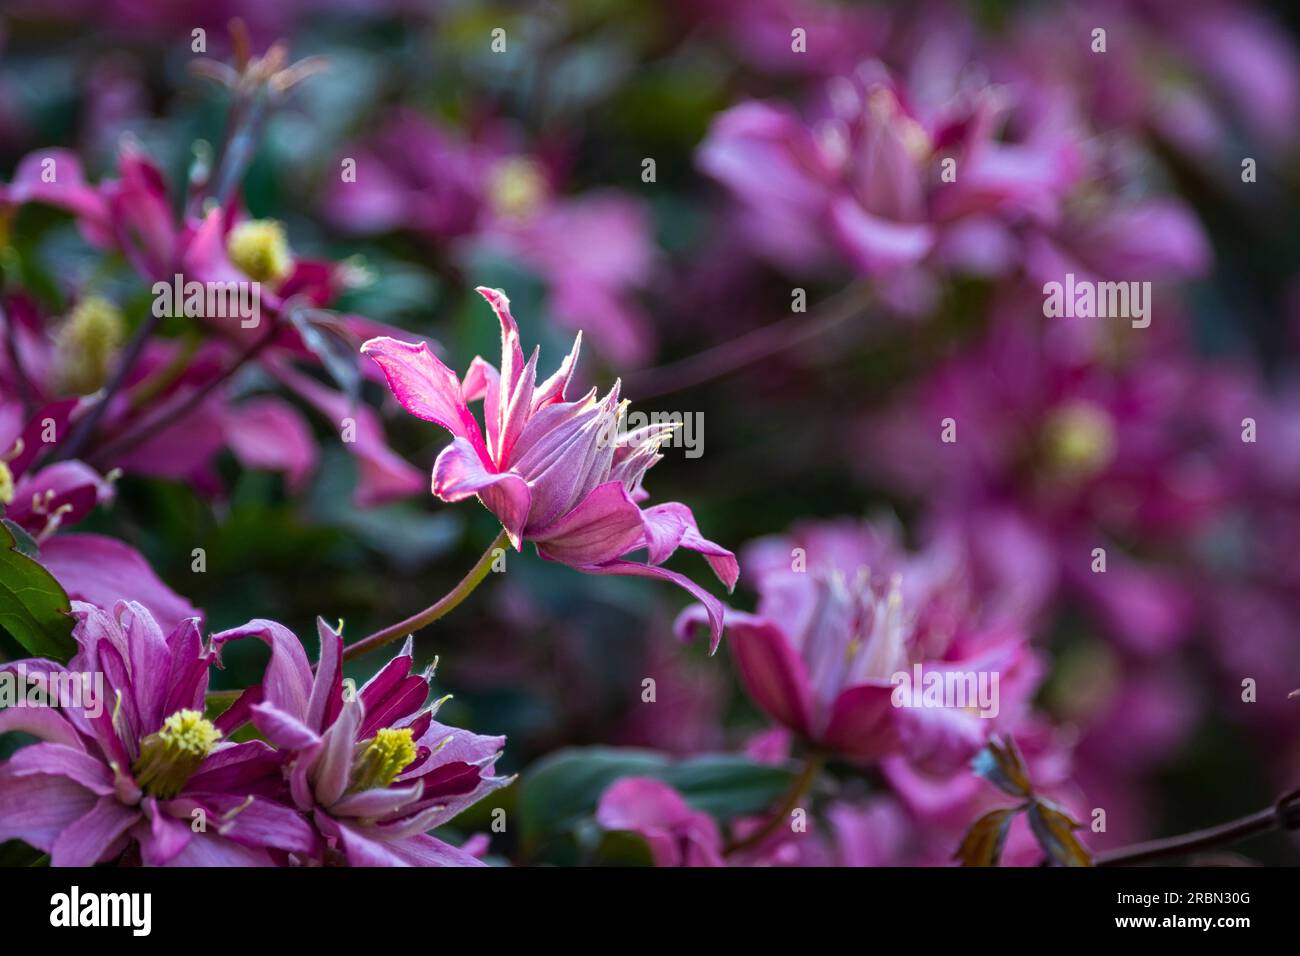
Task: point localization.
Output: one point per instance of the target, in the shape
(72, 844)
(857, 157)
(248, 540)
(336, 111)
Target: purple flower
(555, 472)
(373, 770)
(133, 767)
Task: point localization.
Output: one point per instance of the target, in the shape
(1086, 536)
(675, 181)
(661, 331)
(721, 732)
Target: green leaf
(25, 543)
(561, 791)
(33, 607)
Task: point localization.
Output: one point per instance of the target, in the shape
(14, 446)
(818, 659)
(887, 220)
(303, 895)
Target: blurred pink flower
(842, 612)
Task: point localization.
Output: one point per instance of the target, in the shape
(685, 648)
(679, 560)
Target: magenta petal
(101, 571)
(57, 760)
(269, 434)
(878, 245)
(327, 688)
(334, 765)
(459, 473)
(425, 850)
(862, 723)
(36, 808)
(676, 834)
(377, 803)
(773, 673)
(205, 849)
(260, 823)
(425, 387)
(45, 723)
(283, 730)
(940, 740)
(672, 525)
(606, 524)
(86, 841)
(287, 682)
(712, 607)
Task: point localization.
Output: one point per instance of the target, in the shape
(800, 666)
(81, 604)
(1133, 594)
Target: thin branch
(749, 348)
(1283, 815)
(443, 605)
(170, 414)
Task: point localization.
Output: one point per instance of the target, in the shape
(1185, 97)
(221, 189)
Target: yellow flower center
(260, 250)
(1080, 439)
(87, 344)
(382, 758)
(169, 756)
(517, 187)
(6, 484)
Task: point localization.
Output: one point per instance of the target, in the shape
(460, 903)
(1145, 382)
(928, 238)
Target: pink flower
(842, 613)
(130, 766)
(555, 472)
(372, 769)
(676, 834)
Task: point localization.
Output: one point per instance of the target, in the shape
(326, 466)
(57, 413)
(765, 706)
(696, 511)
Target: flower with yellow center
(170, 755)
(87, 344)
(1080, 439)
(517, 187)
(260, 250)
(382, 758)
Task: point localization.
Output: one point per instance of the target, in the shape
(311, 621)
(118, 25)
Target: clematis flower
(133, 770)
(841, 613)
(555, 472)
(373, 770)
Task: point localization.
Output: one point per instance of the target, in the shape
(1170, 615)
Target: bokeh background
(523, 169)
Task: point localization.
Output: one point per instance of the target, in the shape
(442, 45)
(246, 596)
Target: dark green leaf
(33, 607)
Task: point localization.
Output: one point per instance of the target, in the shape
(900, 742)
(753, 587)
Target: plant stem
(1283, 815)
(749, 348)
(437, 609)
(798, 789)
(82, 431)
(172, 413)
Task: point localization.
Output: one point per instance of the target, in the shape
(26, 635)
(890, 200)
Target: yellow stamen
(517, 187)
(87, 344)
(1080, 439)
(382, 758)
(169, 756)
(260, 250)
(6, 484)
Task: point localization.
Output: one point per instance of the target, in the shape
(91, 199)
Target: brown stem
(171, 414)
(749, 348)
(435, 610)
(82, 431)
(1283, 815)
(798, 789)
